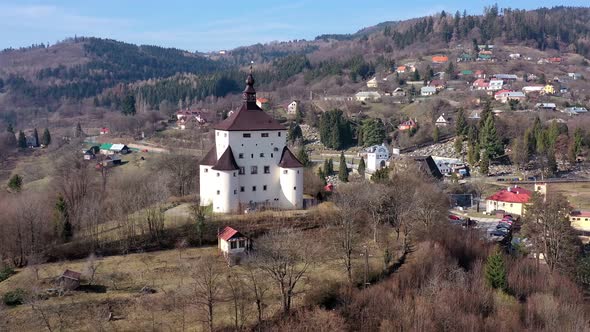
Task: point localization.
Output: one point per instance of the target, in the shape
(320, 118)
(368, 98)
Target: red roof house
(232, 244)
(511, 200)
(407, 125)
(480, 84)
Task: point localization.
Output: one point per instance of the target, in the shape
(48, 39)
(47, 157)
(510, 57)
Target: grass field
(170, 273)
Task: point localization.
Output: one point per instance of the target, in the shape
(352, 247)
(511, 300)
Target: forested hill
(79, 68)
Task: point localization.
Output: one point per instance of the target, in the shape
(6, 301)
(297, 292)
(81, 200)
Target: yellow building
(511, 200)
(580, 220)
(549, 89)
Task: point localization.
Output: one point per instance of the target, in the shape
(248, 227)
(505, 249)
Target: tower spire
(249, 94)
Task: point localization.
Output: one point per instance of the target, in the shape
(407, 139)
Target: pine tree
(330, 169)
(435, 134)
(343, 169)
(303, 157)
(322, 175)
(46, 138)
(63, 225)
(458, 145)
(294, 133)
(362, 167)
(491, 141)
(129, 105)
(15, 183)
(484, 163)
(22, 140)
(36, 137)
(495, 271)
(461, 128)
(79, 132)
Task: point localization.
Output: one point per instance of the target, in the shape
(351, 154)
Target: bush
(15, 297)
(6, 272)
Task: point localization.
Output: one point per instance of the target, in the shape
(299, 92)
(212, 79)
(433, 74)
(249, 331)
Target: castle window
(235, 174)
(264, 187)
(279, 134)
(241, 156)
(218, 192)
(242, 170)
(242, 189)
(206, 170)
(294, 188)
(297, 172)
(272, 155)
(252, 156)
(224, 134)
(246, 135)
(285, 172)
(261, 155)
(266, 169)
(217, 174)
(217, 133)
(264, 135)
(276, 149)
(253, 169)
(235, 192)
(253, 188)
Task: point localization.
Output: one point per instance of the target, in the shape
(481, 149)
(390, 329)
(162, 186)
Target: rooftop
(512, 195)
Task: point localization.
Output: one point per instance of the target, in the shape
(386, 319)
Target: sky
(197, 25)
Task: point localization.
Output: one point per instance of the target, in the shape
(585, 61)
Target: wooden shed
(69, 280)
(232, 244)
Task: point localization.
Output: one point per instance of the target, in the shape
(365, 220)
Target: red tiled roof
(512, 195)
(502, 91)
(226, 162)
(249, 117)
(262, 100)
(582, 214)
(227, 233)
(288, 160)
(210, 158)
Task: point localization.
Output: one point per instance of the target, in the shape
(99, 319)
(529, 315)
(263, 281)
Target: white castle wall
(291, 183)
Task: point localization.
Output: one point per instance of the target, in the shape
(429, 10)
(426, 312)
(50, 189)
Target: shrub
(15, 297)
(6, 272)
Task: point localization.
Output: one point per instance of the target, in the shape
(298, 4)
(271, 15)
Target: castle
(250, 165)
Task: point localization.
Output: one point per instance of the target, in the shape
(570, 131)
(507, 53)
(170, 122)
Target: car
(454, 217)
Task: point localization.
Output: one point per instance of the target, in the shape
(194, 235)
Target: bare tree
(286, 256)
(256, 282)
(239, 297)
(207, 280)
(91, 268)
(547, 223)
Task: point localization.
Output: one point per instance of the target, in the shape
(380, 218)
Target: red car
(454, 217)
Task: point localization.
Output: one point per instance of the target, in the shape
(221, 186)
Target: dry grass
(168, 272)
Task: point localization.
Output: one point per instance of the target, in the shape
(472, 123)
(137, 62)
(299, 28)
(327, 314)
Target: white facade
(292, 107)
(496, 85)
(372, 83)
(377, 156)
(447, 165)
(427, 91)
(367, 96)
(250, 168)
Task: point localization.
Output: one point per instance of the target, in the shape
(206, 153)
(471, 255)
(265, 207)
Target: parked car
(454, 217)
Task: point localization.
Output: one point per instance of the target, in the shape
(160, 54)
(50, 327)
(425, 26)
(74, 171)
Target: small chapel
(250, 165)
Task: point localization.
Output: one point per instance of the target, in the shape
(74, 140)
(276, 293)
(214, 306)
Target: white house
(575, 110)
(367, 96)
(377, 156)
(447, 165)
(427, 91)
(372, 83)
(232, 244)
(533, 88)
(293, 107)
(495, 84)
(250, 164)
(441, 121)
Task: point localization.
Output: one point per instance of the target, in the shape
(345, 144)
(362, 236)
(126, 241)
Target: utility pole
(366, 267)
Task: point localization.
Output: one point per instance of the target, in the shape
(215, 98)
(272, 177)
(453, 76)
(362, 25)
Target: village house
(574, 76)
(507, 78)
(575, 110)
(546, 106)
(480, 74)
(580, 220)
(447, 165)
(466, 72)
(480, 84)
(89, 154)
(514, 56)
(372, 83)
(407, 125)
(511, 200)
(367, 96)
(440, 59)
(475, 115)
(232, 244)
(263, 103)
(293, 107)
(437, 84)
(377, 156)
(505, 96)
(69, 280)
(465, 57)
(442, 121)
(250, 163)
(427, 165)
(495, 85)
(398, 92)
(533, 88)
(427, 91)
(549, 89)
(104, 131)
